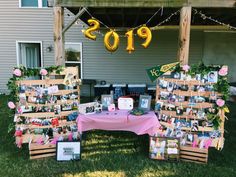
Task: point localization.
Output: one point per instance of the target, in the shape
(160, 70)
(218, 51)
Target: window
(73, 55)
(29, 54)
(33, 3)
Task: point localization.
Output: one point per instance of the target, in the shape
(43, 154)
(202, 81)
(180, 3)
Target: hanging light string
(203, 16)
(150, 18)
(117, 29)
(123, 29)
(166, 20)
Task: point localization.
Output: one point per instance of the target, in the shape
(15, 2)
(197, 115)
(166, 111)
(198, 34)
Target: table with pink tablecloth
(119, 120)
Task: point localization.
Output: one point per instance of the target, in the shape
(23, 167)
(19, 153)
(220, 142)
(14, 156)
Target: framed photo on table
(106, 101)
(88, 108)
(68, 151)
(145, 102)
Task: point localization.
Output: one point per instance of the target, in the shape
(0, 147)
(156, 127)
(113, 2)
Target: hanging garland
(19, 73)
(221, 86)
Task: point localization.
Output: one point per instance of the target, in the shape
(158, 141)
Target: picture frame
(164, 95)
(145, 102)
(164, 148)
(176, 75)
(125, 103)
(88, 108)
(163, 84)
(179, 110)
(158, 106)
(106, 101)
(170, 86)
(67, 151)
(194, 125)
(212, 76)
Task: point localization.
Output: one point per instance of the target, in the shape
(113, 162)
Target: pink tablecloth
(119, 120)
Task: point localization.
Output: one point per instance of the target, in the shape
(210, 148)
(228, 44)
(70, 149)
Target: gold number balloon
(130, 41)
(145, 33)
(94, 25)
(111, 47)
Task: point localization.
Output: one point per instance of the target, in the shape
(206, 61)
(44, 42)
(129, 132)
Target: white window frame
(40, 5)
(81, 59)
(28, 42)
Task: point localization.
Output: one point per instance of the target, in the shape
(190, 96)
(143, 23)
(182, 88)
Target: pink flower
(17, 72)
(185, 67)
(43, 72)
(11, 105)
(223, 71)
(220, 102)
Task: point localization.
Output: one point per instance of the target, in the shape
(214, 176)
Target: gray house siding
(22, 24)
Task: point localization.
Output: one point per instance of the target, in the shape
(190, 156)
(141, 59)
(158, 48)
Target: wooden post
(58, 36)
(184, 35)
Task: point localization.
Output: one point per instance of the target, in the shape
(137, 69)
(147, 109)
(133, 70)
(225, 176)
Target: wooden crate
(191, 154)
(37, 151)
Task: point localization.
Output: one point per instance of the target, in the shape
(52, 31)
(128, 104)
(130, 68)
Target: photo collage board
(47, 108)
(185, 105)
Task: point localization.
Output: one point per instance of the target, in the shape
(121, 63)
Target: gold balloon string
(126, 29)
(97, 19)
(149, 18)
(203, 16)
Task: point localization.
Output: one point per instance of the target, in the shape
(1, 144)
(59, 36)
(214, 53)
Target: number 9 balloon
(145, 33)
(94, 25)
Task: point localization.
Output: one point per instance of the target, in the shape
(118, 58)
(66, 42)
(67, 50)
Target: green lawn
(112, 154)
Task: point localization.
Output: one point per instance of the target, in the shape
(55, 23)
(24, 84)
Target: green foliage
(215, 119)
(222, 86)
(27, 72)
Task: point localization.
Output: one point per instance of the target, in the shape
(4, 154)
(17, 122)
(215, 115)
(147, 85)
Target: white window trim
(81, 59)
(40, 5)
(33, 42)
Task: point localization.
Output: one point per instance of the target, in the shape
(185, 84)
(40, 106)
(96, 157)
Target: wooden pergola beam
(58, 35)
(184, 35)
(146, 3)
(76, 17)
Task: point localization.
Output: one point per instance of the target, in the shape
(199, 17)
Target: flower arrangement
(19, 73)
(221, 86)
(43, 72)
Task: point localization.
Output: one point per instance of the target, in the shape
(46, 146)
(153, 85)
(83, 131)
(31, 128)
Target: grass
(112, 154)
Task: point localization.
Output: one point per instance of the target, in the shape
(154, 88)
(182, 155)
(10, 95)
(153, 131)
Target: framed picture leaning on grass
(68, 151)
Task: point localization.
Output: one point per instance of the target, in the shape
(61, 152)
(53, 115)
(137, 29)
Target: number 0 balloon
(111, 47)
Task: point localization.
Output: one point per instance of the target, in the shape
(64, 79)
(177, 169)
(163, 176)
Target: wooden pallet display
(37, 150)
(188, 153)
(40, 151)
(191, 154)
